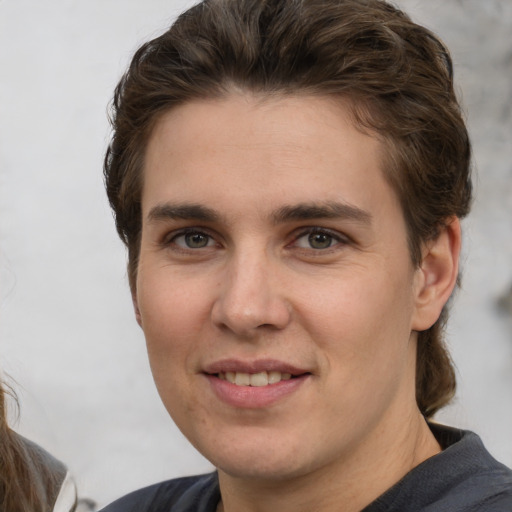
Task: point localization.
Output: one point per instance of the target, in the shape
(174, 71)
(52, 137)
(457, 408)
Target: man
(289, 178)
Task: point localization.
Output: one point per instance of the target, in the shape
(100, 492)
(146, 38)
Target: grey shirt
(49, 476)
(463, 477)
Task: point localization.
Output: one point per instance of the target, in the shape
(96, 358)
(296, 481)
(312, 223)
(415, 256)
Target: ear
(136, 309)
(437, 275)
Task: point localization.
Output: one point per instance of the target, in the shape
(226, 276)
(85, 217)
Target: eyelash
(334, 237)
(170, 240)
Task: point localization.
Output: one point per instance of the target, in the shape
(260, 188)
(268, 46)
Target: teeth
(254, 379)
(259, 379)
(242, 379)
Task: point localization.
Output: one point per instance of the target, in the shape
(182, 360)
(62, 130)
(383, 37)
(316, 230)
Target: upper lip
(255, 366)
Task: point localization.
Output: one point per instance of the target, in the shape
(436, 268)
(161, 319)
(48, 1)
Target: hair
(25, 483)
(396, 75)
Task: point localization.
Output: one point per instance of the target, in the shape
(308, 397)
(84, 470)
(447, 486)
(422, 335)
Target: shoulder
(464, 477)
(194, 493)
(477, 480)
(39, 459)
(48, 474)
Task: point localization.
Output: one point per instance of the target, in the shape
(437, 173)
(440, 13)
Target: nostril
(245, 310)
(267, 326)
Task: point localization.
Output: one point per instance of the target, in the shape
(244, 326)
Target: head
(395, 76)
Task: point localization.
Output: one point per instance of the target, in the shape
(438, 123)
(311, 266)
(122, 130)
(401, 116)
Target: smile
(256, 384)
(259, 379)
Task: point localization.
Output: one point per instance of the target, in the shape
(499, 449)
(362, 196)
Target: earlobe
(437, 275)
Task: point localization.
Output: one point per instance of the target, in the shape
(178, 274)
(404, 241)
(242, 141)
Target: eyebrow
(184, 212)
(297, 212)
(329, 210)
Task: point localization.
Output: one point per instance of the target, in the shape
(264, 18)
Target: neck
(348, 485)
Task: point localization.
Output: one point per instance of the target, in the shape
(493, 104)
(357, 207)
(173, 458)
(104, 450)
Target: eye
(193, 240)
(318, 239)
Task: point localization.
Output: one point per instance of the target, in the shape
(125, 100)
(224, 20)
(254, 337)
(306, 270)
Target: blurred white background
(67, 334)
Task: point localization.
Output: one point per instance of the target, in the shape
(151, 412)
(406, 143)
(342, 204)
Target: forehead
(244, 149)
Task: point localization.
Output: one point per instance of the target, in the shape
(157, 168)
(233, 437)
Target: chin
(274, 460)
(261, 470)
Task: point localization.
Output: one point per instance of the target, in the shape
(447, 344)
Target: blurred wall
(67, 334)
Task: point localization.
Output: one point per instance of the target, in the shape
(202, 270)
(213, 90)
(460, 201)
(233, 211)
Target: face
(275, 287)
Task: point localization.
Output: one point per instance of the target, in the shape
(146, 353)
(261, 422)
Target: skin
(294, 251)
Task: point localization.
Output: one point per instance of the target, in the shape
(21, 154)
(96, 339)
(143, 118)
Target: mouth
(255, 384)
(258, 373)
(260, 379)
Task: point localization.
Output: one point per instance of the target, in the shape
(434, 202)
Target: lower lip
(255, 397)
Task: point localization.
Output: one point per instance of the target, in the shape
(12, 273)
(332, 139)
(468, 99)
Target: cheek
(172, 315)
(171, 321)
(167, 300)
(361, 301)
(361, 320)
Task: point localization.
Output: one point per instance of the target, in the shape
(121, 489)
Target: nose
(250, 298)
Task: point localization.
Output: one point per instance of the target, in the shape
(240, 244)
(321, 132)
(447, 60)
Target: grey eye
(193, 240)
(320, 240)
(317, 240)
(196, 240)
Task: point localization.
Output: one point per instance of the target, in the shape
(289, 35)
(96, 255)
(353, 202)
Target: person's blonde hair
(26, 485)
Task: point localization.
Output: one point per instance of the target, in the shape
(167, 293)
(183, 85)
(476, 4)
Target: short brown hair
(396, 74)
